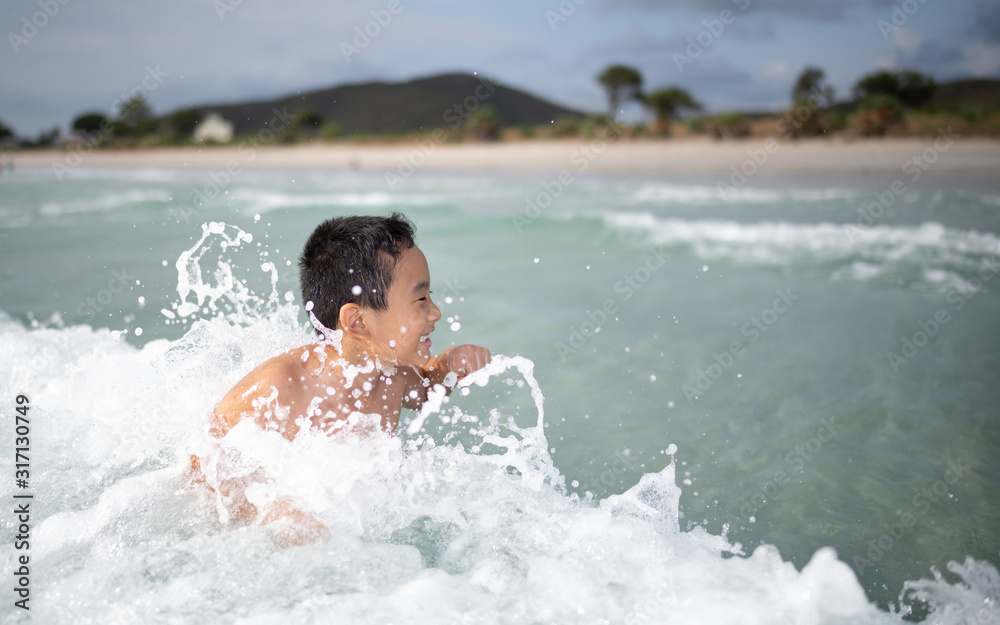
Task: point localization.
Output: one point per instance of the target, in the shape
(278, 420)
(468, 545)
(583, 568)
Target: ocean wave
(257, 201)
(82, 173)
(703, 194)
(929, 253)
(104, 203)
(419, 530)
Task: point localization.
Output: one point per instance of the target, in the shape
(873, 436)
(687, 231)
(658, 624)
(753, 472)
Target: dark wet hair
(347, 252)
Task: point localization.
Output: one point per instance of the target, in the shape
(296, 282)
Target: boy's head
(351, 260)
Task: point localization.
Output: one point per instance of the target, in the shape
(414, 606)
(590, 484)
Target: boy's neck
(356, 355)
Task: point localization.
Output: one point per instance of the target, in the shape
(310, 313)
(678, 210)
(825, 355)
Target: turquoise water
(771, 368)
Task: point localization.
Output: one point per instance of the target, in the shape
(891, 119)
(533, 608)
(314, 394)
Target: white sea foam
(255, 200)
(103, 203)
(666, 193)
(419, 530)
(860, 253)
(82, 172)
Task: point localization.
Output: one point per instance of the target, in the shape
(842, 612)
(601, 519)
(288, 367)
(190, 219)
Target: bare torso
(309, 385)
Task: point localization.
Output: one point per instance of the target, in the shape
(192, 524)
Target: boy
(367, 285)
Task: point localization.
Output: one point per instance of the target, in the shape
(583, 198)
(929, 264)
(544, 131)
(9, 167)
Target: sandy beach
(943, 155)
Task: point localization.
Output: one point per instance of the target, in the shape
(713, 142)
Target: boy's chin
(423, 356)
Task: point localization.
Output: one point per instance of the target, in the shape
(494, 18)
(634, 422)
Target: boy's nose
(435, 312)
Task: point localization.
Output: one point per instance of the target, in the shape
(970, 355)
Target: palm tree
(811, 83)
(90, 123)
(810, 95)
(666, 104)
(620, 82)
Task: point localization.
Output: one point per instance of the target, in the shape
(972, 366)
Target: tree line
(880, 101)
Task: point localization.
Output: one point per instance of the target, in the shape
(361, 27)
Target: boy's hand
(461, 360)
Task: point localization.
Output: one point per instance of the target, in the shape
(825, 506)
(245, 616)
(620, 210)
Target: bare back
(305, 383)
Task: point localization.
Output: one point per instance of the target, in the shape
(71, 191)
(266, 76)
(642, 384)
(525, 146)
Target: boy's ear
(352, 320)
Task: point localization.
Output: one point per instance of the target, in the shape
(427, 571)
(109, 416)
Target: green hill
(397, 108)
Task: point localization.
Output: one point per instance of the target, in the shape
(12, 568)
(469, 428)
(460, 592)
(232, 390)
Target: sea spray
(434, 535)
(227, 295)
(418, 534)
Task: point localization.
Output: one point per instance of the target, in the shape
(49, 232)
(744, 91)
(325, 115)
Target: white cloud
(907, 41)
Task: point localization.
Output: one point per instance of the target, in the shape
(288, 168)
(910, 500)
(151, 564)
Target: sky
(61, 58)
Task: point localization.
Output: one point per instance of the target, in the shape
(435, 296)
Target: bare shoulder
(275, 377)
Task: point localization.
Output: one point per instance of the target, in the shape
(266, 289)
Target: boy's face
(401, 331)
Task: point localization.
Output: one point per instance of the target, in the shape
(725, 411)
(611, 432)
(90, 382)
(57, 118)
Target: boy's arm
(293, 527)
(460, 359)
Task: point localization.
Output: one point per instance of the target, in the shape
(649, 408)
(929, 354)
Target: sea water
(772, 404)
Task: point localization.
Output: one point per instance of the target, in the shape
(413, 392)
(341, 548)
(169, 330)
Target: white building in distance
(214, 128)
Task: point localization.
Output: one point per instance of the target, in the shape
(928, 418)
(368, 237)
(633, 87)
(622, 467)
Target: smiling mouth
(425, 340)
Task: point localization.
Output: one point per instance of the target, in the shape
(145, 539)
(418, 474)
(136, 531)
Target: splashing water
(190, 281)
(419, 529)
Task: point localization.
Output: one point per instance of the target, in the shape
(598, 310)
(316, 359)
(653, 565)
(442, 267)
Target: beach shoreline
(945, 154)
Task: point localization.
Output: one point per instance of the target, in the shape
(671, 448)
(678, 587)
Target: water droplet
(356, 289)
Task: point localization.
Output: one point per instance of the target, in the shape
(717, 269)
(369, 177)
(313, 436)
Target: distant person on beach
(367, 287)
